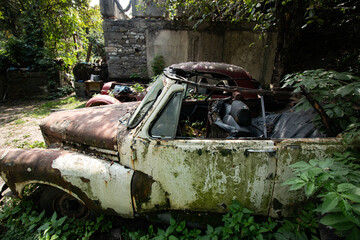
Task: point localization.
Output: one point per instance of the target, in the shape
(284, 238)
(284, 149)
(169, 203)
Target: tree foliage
(296, 21)
(339, 95)
(35, 30)
(267, 13)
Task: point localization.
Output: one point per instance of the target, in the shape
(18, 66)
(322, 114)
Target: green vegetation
(326, 33)
(21, 220)
(239, 223)
(19, 121)
(334, 185)
(337, 92)
(36, 32)
(137, 88)
(35, 144)
(67, 103)
(157, 65)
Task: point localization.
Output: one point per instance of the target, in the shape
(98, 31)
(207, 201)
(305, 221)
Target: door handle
(271, 152)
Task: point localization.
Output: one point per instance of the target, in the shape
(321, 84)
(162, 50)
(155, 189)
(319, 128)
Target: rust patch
(85, 180)
(95, 127)
(15, 164)
(141, 188)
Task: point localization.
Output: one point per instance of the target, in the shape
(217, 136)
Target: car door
(203, 174)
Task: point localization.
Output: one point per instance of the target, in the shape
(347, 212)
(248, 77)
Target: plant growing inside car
(337, 92)
(137, 87)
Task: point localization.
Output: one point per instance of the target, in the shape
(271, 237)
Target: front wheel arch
(54, 199)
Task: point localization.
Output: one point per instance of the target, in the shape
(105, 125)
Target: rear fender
(101, 100)
(101, 185)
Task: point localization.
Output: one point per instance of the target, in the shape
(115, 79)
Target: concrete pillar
(109, 9)
(148, 8)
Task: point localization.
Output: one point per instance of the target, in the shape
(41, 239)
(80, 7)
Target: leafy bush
(337, 92)
(335, 182)
(20, 220)
(304, 225)
(157, 65)
(238, 223)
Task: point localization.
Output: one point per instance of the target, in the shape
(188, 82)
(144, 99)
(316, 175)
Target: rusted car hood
(95, 126)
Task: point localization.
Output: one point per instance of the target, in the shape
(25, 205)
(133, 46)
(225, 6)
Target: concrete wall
(131, 46)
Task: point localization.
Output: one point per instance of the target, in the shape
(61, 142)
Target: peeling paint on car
(94, 127)
(108, 183)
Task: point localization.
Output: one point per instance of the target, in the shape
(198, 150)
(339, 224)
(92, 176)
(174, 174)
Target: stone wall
(125, 47)
(131, 46)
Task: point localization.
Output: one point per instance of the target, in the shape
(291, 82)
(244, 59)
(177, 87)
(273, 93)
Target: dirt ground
(18, 127)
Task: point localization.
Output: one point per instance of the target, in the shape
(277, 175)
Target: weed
(15, 140)
(61, 92)
(19, 121)
(134, 75)
(36, 144)
(338, 92)
(21, 220)
(26, 136)
(137, 88)
(239, 223)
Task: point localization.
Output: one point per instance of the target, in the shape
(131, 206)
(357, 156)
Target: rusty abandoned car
(121, 92)
(198, 140)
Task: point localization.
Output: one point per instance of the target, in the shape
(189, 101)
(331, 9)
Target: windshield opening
(154, 92)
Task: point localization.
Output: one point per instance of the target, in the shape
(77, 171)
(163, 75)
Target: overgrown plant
(20, 220)
(238, 223)
(137, 87)
(337, 92)
(157, 65)
(303, 227)
(335, 184)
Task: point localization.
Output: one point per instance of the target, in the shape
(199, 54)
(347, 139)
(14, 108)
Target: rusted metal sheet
(229, 70)
(95, 127)
(147, 194)
(242, 78)
(101, 185)
(236, 89)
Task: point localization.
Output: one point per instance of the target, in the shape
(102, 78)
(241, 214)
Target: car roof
(232, 71)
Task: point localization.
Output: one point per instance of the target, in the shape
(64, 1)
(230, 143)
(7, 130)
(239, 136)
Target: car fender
(101, 100)
(103, 186)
